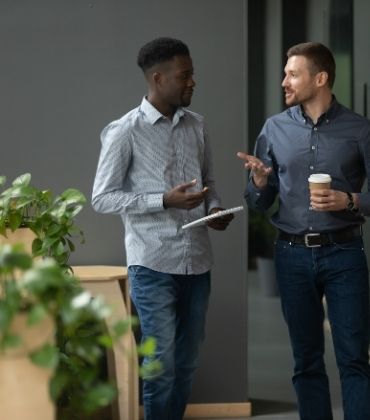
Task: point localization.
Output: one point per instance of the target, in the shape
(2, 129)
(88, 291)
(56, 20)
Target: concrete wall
(68, 68)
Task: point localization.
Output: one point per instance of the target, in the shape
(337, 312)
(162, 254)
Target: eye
(186, 76)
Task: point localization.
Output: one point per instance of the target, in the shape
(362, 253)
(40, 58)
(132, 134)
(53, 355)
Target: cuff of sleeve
(253, 187)
(364, 203)
(155, 202)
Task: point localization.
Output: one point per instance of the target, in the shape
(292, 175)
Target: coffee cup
(319, 181)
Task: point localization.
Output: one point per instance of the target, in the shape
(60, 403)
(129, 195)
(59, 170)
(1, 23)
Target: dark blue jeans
(172, 309)
(339, 272)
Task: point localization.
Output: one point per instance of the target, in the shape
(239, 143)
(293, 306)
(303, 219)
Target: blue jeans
(172, 309)
(339, 272)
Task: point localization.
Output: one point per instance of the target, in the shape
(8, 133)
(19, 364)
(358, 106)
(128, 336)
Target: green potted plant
(77, 357)
(38, 300)
(50, 219)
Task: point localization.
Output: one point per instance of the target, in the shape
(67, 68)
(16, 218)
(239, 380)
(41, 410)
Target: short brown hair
(320, 57)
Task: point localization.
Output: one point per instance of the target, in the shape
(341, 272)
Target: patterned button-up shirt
(144, 155)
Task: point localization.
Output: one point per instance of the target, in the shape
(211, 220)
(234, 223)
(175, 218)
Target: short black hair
(319, 55)
(160, 50)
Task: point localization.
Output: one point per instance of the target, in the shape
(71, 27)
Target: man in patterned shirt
(155, 170)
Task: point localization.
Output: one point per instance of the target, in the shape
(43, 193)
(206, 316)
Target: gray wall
(68, 68)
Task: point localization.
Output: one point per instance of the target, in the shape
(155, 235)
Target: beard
(292, 98)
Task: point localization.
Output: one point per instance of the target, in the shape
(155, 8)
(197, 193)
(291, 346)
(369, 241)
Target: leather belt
(312, 240)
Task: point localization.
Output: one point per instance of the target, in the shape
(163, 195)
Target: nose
(191, 82)
(284, 83)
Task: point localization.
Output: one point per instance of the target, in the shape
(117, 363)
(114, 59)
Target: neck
(164, 108)
(318, 105)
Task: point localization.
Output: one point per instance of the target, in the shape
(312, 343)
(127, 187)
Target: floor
(270, 361)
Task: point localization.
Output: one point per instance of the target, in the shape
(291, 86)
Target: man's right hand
(179, 198)
(260, 172)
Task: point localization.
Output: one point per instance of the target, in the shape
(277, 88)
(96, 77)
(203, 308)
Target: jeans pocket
(133, 270)
(353, 245)
(281, 247)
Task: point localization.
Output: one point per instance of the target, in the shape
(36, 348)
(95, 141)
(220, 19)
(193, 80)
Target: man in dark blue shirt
(319, 251)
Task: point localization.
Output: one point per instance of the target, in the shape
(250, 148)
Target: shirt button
(311, 167)
(313, 147)
(315, 128)
(310, 228)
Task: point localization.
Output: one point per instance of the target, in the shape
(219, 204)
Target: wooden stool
(122, 360)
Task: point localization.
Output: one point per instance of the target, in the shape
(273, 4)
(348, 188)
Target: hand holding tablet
(205, 219)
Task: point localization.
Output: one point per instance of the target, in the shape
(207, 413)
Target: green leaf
(2, 179)
(11, 257)
(147, 348)
(121, 327)
(36, 245)
(46, 357)
(58, 383)
(106, 341)
(37, 314)
(54, 229)
(49, 241)
(5, 315)
(150, 369)
(11, 340)
(71, 245)
(99, 396)
(72, 195)
(15, 220)
(24, 179)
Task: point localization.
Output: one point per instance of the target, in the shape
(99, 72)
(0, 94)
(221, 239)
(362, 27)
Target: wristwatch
(350, 204)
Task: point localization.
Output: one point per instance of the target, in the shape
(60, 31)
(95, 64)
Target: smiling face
(300, 83)
(174, 83)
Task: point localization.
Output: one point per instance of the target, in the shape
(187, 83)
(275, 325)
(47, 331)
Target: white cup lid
(319, 178)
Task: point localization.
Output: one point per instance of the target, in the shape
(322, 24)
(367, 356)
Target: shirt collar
(154, 115)
(327, 116)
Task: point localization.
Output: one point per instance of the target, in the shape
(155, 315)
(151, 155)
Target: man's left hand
(328, 200)
(220, 223)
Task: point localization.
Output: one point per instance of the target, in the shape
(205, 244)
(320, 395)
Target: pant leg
(154, 295)
(347, 295)
(192, 307)
(301, 300)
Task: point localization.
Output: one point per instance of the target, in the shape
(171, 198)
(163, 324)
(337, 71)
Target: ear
(322, 78)
(156, 78)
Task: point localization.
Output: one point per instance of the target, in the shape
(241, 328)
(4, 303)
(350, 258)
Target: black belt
(312, 240)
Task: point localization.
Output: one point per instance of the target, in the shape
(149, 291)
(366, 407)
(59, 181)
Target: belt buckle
(307, 242)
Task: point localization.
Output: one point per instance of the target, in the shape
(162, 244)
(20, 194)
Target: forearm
(118, 202)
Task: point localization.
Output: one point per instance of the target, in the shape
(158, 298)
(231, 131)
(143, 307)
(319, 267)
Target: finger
(243, 156)
(184, 187)
(218, 224)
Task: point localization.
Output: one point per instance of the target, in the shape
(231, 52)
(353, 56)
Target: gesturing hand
(180, 198)
(260, 172)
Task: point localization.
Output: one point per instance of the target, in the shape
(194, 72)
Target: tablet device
(205, 219)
